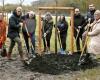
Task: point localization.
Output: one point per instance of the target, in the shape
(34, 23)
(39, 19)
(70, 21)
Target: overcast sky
(17, 1)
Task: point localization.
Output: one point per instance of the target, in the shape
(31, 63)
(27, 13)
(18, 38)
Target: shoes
(48, 52)
(9, 56)
(63, 52)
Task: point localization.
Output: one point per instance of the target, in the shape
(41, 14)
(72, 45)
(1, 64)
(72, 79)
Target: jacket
(94, 44)
(62, 26)
(90, 14)
(30, 24)
(79, 20)
(2, 32)
(14, 27)
(47, 26)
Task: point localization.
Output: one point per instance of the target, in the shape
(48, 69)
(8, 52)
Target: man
(90, 13)
(79, 23)
(89, 20)
(94, 44)
(13, 32)
(47, 31)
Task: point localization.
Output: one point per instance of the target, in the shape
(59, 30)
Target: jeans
(32, 36)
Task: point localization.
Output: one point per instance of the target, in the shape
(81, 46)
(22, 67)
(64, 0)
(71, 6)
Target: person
(47, 31)
(62, 26)
(14, 28)
(89, 19)
(79, 23)
(94, 47)
(90, 13)
(3, 26)
(30, 24)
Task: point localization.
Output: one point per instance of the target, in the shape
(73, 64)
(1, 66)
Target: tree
(21, 2)
(3, 5)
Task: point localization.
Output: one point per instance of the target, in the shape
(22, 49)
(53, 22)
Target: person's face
(62, 17)
(30, 16)
(77, 11)
(19, 12)
(97, 16)
(91, 7)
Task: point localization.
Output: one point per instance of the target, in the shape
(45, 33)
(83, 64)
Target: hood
(15, 14)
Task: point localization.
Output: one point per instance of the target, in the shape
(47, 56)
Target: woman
(63, 27)
(47, 31)
(94, 47)
(29, 29)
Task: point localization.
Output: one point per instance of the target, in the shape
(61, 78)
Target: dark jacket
(62, 26)
(14, 27)
(90, 14)
(47, 26)
(79, 20)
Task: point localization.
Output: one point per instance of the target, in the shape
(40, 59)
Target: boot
(22, 57)
(9, 56)
(24, 60)
(44, 49)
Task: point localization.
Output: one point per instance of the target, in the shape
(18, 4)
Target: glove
(21, 24)
(84, 34)
(79, 27)
(44, 34)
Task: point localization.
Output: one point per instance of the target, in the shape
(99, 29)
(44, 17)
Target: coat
(94, 44)
(2, 32)
(62, 26)
(14, 27)
(47, 26)
(90, 14)
(79, 20)
(31, 25)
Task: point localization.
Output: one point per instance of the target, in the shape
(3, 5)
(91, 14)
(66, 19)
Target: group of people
(27, 23)
(62, 27)
(88, 27)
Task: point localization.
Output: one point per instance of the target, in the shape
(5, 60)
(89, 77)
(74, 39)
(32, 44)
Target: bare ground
(46, 68)
(15, 70)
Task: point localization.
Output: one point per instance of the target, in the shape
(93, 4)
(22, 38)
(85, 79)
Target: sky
(17, 1)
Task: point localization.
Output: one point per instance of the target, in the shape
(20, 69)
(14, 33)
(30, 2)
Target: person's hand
(77, 30)
(28, 34)
(85, 33)
(58, 31)
(44, 34)
(21, 24)
(89, 25)
(79, 27)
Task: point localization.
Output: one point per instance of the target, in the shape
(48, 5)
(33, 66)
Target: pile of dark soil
(57, 63)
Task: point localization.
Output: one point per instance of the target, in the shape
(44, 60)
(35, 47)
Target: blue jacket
(62, 26)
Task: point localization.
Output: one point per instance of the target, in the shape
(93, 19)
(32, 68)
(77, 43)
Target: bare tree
(3, 5)
(21, 2)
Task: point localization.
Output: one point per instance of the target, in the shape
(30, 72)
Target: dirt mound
(57, 64)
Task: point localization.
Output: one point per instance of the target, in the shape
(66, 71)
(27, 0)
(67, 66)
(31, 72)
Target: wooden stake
(72, 31)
